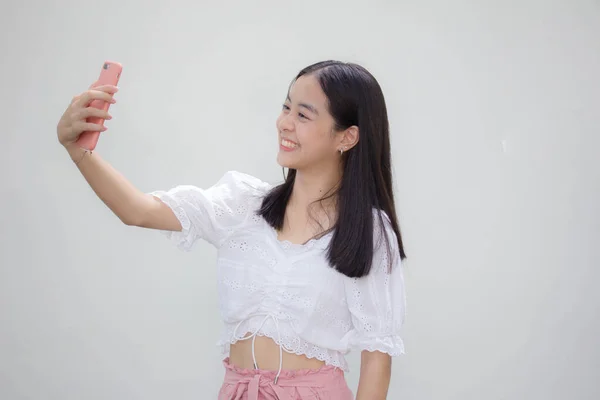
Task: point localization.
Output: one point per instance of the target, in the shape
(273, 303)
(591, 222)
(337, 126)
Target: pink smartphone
(109, 75)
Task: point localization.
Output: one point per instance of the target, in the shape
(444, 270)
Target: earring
(341, 151)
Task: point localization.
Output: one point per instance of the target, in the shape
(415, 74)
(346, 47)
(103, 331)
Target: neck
(314, 184)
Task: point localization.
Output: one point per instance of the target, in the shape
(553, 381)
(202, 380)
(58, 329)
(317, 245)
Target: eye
(285, 107)
(302, 116)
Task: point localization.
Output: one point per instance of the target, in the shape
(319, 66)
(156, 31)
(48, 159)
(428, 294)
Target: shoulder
(385, 239)
(236, 195)
(381, 224)
(236, 183)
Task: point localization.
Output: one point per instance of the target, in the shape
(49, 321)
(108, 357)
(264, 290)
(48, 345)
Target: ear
(350, 138)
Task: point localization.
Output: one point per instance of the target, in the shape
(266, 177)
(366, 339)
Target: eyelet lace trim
(297, 346)
(181, 239)
(392, 345)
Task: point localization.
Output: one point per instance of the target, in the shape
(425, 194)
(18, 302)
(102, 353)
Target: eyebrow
(307, 106)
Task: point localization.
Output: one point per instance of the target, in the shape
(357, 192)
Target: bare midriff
(266, 352)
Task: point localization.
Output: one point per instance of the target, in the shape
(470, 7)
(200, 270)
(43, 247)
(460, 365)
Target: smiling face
(306, 128)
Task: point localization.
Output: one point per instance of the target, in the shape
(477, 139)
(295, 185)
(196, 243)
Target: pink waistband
(255, 381)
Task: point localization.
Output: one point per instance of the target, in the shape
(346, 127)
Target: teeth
(289, 144)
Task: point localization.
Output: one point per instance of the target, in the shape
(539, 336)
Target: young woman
(308, 269)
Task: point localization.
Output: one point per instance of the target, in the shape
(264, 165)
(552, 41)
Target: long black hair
(354, 99)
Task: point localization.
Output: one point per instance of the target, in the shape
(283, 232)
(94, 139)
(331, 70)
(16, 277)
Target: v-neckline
(289, 244)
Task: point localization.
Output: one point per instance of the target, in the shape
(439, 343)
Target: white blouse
(286, 291)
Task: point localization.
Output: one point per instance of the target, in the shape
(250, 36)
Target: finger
(111, 89)
(86, 98)
(103, 88)
(107, 88)
(86, 126)
(91, 112)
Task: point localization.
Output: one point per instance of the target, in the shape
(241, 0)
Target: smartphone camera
(106, 66)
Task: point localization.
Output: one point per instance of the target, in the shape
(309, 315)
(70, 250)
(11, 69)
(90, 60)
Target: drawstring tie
(253, 337)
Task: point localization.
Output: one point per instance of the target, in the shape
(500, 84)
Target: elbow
(138, 213)
(376, 360)
(375, 375)
(133, 218)
(129, 221)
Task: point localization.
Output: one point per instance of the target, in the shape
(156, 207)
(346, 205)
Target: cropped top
(286, 291)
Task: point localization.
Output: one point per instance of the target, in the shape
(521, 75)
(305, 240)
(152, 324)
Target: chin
(285, 161)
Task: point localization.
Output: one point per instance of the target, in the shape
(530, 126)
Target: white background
(495, 114)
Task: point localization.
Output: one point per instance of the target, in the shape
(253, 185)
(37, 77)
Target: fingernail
(109, 117)
(113, 101)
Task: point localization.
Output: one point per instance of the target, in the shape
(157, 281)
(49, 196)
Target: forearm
(375, 373)
(122, 198)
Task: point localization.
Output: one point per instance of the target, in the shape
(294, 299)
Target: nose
(285, 123)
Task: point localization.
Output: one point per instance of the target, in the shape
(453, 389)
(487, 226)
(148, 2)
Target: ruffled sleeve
(377, 301)
(212, 214)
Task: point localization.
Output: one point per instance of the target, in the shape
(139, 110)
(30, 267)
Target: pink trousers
(325, 383)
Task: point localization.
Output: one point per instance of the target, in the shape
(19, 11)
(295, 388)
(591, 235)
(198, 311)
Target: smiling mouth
(287, 144)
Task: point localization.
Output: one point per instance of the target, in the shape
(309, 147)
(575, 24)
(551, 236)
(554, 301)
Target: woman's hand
(73, 121)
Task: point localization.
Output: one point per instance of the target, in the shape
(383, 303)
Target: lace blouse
(286, 291)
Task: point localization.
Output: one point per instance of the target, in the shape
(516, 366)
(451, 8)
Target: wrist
(73, 149)
(76, 152)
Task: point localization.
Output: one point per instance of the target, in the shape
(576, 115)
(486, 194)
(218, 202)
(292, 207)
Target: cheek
(304, 136)
(312, 137)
